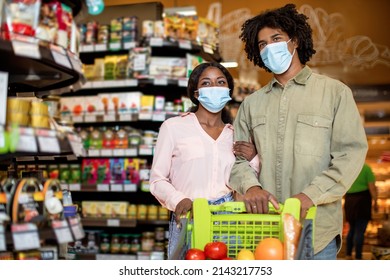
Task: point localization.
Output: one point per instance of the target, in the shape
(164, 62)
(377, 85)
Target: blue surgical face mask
(213, 99)
(277, 57)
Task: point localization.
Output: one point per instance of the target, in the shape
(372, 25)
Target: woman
(193, 155)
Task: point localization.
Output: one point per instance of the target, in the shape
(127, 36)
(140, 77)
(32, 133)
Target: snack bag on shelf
(48, 24)
(173, 25)
(65, 20)
(117, 169)
(20, 18)
(190, 29)
(110, 62)
(132, 171)
(207, 32)
(138, 62)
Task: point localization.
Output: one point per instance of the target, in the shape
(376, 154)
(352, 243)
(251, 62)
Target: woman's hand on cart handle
(181, 210)
(256, 200)
(306, 203)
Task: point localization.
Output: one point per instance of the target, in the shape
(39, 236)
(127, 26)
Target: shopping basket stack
(229, 223)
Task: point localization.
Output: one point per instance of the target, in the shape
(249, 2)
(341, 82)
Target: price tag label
(100, 47)
(64, 186)
(160, 81)
(25, 49)
(3, 96)
(145, 186)
(115, 46)
(182, 82)
(145, 150)
(130, 187)
(103, 187)
(78, 119)
(145, 115)
(185, 44)
(88, 84)
(118, 153)
(113, 222)
(77, 229)
(125, 117)
(25, 236)
(62, 231)
(131, 83)
(156, 42)
(132, 152)
(93, 153)
(116, 187)
(27, 143)
(87, 48)
(3, 246)
(49, 145)
(61, 59)
(109, 118)
(159, 116)
(106, 152)
(90, 118)
(74, 187)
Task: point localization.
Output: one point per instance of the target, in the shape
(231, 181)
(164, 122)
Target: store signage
(62, 231)
(25, 236)
(2, 239)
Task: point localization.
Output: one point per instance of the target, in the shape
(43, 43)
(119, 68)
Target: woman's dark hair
(193, 86)
(286, 19)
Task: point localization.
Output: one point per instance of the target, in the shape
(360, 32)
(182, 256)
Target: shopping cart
(236, 228)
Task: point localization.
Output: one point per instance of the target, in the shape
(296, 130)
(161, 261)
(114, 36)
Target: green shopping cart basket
(229, 223)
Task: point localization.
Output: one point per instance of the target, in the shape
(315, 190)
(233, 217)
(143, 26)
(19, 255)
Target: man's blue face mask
(277, 57)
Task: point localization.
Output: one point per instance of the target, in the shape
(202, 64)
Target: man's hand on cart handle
(306, 203)
(256, 200)
(181, 210)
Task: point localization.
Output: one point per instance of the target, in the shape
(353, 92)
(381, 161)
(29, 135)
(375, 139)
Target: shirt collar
(301, 78)
(228, 125)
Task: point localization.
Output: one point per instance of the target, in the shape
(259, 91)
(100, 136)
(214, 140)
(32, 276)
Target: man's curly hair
(286, 19)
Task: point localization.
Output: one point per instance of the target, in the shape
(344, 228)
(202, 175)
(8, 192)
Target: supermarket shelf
(23, 142)
(143, 117)
(149, 83)
(120, 222)
(108, 222)
(160, 47)
(44, 69)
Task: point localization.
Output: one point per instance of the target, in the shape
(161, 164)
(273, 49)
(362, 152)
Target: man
(305, 126)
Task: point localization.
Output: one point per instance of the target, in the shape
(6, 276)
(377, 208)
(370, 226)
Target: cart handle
(239, 207)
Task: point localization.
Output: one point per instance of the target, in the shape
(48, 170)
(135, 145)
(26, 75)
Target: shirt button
(315, 123)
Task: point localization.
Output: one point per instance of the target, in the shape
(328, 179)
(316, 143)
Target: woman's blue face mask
(214, 99)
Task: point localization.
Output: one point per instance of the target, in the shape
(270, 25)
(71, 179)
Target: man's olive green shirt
(311, 140)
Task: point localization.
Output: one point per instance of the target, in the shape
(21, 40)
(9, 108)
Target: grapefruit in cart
(269, 249)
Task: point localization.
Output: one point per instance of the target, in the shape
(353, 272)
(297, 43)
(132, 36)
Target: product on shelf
(21, 18)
